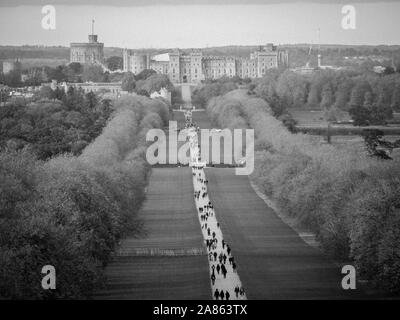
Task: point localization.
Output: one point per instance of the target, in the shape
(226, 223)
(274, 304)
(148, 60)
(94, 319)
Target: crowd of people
(225, 281)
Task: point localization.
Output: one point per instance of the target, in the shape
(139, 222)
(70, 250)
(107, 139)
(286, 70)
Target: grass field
(166, 259)
(273, 261)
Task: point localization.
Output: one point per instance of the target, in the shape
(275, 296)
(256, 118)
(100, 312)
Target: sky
(177, 23)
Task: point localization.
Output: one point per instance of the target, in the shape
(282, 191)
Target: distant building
(8, 66)
(113, 88)
(135, 62)
(88, 52)
(163, 93)
(193, 67)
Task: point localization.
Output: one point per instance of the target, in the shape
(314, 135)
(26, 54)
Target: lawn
(273, 261)
(166, 258)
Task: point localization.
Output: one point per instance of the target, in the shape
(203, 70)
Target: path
(224, 277)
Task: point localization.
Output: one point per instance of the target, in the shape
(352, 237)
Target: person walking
(237, 291)
(213, 279)
(223, 270)
(218, 268)
(227, 295)
(222, 295)
(216, 294)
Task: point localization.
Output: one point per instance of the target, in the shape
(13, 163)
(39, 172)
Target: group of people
(224, 278)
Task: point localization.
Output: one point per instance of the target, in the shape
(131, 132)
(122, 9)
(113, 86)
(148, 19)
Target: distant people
(216, 294)
(237, 291)
(222, 295)
(213, 279)
(223, 270)
(234, 266)
(227, 295)
(218, 268)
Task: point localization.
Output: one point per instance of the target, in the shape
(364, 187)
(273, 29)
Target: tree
(114, 63)
(92, 73)
(128, 82)
(395, 103)
(360, 108)
(146, 73)
(326, 97)
(276, 105)
(343, 93)
(75, 67)
(154, 83)
(47, 93)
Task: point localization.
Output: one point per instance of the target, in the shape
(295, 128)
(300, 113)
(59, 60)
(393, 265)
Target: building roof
(164, 57)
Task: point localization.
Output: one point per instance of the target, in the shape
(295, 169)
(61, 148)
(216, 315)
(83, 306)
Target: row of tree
(71, 211)
(370, 98)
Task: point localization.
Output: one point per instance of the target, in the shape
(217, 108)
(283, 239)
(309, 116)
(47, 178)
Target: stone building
(91, 52)
(219, 66)
(134, 61)
(193, 67)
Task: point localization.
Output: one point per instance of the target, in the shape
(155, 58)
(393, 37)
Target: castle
(88, 52)
(193, 67)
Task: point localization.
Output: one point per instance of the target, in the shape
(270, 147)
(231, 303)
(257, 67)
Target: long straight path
(167, 258)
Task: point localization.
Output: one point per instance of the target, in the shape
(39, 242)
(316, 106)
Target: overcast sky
(175, 23)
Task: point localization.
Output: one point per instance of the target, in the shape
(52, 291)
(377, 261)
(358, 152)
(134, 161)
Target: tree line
(70, 211)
